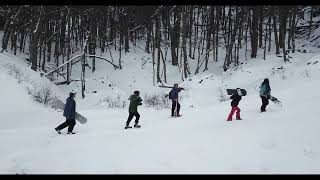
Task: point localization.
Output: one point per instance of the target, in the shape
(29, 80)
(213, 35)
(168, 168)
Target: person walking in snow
(135, 101)
(174, 96)
(70, 114)
(234, 106)
(265, 91)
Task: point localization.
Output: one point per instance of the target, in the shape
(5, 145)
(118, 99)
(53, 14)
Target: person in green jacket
(135, 101)
(265, 91)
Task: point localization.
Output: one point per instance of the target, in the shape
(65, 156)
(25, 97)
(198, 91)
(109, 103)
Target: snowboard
(132, 127)
(275, 100)
(172, 87)
(57, 103)
(176, 116)
(242, 92)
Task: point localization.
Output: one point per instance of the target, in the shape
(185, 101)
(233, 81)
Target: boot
(71, 133)
(127, 126)
(137, 126)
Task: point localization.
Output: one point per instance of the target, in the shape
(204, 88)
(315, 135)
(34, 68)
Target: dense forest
(201, 33)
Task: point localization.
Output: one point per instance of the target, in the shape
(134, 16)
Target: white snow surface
(282, 140)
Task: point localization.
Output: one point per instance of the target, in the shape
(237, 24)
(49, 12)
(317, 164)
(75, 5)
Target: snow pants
(265, 102)
(234, 109)
(131, 115)
(175, 104)
(70, 123)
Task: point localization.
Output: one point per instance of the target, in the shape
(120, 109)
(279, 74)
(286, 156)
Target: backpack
(170, 94)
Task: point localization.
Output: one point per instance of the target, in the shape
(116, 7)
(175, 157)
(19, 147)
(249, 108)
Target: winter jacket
(135, 101)
(70, 109)
(265, 90)
(174, 93)
(235, 100)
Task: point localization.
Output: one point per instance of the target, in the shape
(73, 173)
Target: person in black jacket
(234, 104)
(70, 114)
(174, 96)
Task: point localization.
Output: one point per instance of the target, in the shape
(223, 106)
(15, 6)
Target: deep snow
(282, 140)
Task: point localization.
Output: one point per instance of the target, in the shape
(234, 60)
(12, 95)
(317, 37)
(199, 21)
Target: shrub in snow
(283, 74)
(221, 95)
(281, 71)
(273, 71)
(307, 73)
(113, 102)
(157, 100)
(41, 93)
(14, 72)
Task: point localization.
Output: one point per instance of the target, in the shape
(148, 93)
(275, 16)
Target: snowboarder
(234, 104)
(70, 114)
(173, 95)
(265, 91)
(135, 101)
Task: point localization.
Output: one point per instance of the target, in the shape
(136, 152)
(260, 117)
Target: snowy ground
(282, 140)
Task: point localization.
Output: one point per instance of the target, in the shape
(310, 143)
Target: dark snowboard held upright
(242, 92)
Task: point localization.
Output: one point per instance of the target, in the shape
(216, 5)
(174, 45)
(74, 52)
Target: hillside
(282, 140)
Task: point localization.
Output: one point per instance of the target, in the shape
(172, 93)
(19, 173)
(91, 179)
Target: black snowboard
(275, 100)
(242, 92)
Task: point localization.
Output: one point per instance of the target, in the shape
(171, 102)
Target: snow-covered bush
(280, 71)
(157, 100)
(221, 95)
(283, 74)
(113, 102)
(41, 93)
(307, 73)
(14, 72)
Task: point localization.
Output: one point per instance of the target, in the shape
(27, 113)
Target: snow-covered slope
(282, 140)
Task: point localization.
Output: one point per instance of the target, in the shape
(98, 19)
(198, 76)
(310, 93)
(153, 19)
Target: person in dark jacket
(265, 92)
(234, 104)
(70, 114)
(174, 96)
(135, 101)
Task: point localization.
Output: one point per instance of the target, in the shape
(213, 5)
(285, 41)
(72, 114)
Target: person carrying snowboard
(70, 114)
(234, 106)
(265, 91)
(174, 96)
(135, 101)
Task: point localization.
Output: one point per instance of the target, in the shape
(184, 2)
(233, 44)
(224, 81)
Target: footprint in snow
(309, 153)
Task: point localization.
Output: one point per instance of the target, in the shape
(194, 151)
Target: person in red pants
(234, 104)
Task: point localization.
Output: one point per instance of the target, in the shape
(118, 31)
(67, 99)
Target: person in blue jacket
(265, 91)
(174, 96)
(70, 114)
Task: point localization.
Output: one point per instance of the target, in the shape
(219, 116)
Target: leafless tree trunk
(254, 33)
(35, 33)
